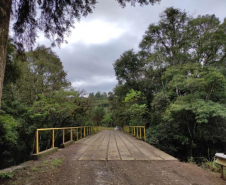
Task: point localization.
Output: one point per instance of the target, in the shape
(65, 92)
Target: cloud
(94, 32)
(100, 38)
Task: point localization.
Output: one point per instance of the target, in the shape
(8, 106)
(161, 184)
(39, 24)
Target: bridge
(116, 145)
(108, 157)
(106, 144)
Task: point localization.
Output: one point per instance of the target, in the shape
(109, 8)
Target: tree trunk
(5, 10)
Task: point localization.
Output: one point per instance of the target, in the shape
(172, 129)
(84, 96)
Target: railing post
(144, 134)
(37, 142)
(134, 131)
(84, 131)
(53, 138)
(87, 131)
(63, 136)
(71, 135)
(81, 133)
(140, 132)
(76, 134)
(137, 132)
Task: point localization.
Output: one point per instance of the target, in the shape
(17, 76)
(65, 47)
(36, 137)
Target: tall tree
(184, 76)
(41, 73)
(55, 19)
(5, 10)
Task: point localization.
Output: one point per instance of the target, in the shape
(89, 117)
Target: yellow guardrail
(137, 131)
(84, 130)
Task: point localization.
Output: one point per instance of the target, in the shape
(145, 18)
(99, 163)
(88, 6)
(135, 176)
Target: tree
(54, 111)
(41, 72)
(55, 20)
(13, 72)
(181, 73)
(8, 140)
(196, 101)
(107, 121)
(135, 108)
(129, 68)
(133, 72)
(98, 95)
(47, 71)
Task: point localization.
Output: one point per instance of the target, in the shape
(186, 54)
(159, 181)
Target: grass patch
(34, 169)
(212, 166)
(56, 162)
(6, 175)
(45, 162)
(43, 171)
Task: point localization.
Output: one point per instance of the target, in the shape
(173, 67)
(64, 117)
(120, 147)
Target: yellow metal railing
(84, 130)
(137, 131)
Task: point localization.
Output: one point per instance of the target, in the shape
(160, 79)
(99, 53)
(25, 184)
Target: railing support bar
(63, 136)
(71, 135)
(37, 142)
(52, 138)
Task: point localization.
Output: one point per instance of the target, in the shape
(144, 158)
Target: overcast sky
(100, 38)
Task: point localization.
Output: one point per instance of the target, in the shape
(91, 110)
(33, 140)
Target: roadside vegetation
(37, 94)
(174, 86)
(34, 173)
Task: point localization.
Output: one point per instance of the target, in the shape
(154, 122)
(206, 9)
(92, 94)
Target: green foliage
(107, 120)
(55, 109)
(98, 115)
(8, 129)
(56, 162)
(128, 67)
(9, 138)
(12, 70)
(132, 96)
(211, 165)
(54, 20)
(6, 175)
(134, 108)
(175, 85)
(40, 97)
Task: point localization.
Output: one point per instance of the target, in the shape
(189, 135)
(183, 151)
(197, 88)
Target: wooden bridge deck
(116, 145)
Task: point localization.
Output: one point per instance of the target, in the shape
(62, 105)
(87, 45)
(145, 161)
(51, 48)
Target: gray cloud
(90, 66)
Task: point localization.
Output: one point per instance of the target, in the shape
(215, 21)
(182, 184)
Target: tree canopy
(179, 72)
(53, 17)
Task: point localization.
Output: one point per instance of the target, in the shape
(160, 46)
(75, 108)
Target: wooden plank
(90, 138)
(123, 151)
(83, 146)
(116, 145)
(137, 154)
(144, 148)
(102, 151)
(113, 153)
(150, 151)
(162, 154)
(92, 147)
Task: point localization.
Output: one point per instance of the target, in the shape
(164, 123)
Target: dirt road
(84, 163)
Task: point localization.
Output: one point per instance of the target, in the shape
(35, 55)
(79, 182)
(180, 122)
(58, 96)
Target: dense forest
(37, 94)
(174, 86)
